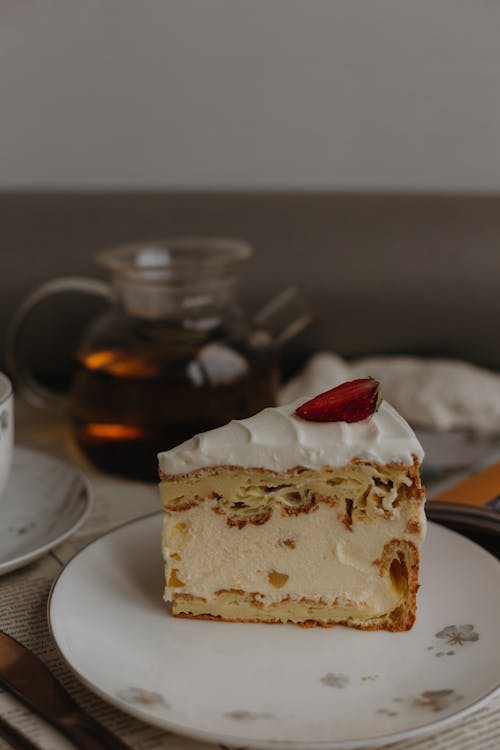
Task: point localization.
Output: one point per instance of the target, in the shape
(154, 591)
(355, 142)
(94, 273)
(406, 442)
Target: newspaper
(23, 601)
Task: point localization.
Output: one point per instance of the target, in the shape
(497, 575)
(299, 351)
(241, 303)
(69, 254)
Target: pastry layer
(357, 491)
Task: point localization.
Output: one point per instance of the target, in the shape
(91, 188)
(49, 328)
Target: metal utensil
(13, 737)
(26, 676)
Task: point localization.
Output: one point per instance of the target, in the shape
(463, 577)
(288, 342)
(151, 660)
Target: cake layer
(314, 556)
(399, 561)
(275, 439)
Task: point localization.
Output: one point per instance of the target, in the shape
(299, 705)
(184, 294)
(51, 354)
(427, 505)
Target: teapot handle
(28, 387)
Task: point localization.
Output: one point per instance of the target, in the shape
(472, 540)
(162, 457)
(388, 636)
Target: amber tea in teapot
(129, 404)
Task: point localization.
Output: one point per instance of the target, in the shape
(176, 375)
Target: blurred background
(355, 144)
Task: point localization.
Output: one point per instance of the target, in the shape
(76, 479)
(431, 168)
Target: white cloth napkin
(441, 394)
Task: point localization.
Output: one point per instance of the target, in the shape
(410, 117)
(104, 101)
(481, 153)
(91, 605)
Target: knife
(25, 676)
(14, 738)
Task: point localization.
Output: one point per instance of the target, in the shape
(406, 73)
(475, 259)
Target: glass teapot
(173, 354)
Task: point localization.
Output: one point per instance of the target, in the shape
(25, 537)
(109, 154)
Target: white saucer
(278, 686)
(45, 501)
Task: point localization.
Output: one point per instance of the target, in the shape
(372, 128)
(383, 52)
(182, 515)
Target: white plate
(45, 501)
(280, 686)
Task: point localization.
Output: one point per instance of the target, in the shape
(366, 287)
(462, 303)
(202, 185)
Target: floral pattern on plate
(432, 700)
(242, 715)
(142, 697)
(331, 679)
(437, 700)
(451, 636)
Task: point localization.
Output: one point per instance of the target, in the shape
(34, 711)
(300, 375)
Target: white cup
(6, 429)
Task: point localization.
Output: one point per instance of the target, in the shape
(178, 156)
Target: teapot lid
(158, 278)
(162, 259)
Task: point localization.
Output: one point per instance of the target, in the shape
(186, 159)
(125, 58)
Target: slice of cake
(285, 518)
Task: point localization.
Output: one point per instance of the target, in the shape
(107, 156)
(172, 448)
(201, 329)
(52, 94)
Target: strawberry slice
(348, 402)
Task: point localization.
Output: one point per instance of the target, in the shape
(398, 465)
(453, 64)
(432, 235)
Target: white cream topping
(277, 439)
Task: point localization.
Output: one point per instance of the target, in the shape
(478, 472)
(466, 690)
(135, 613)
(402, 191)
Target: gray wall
(385, 273)
(265, 94)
